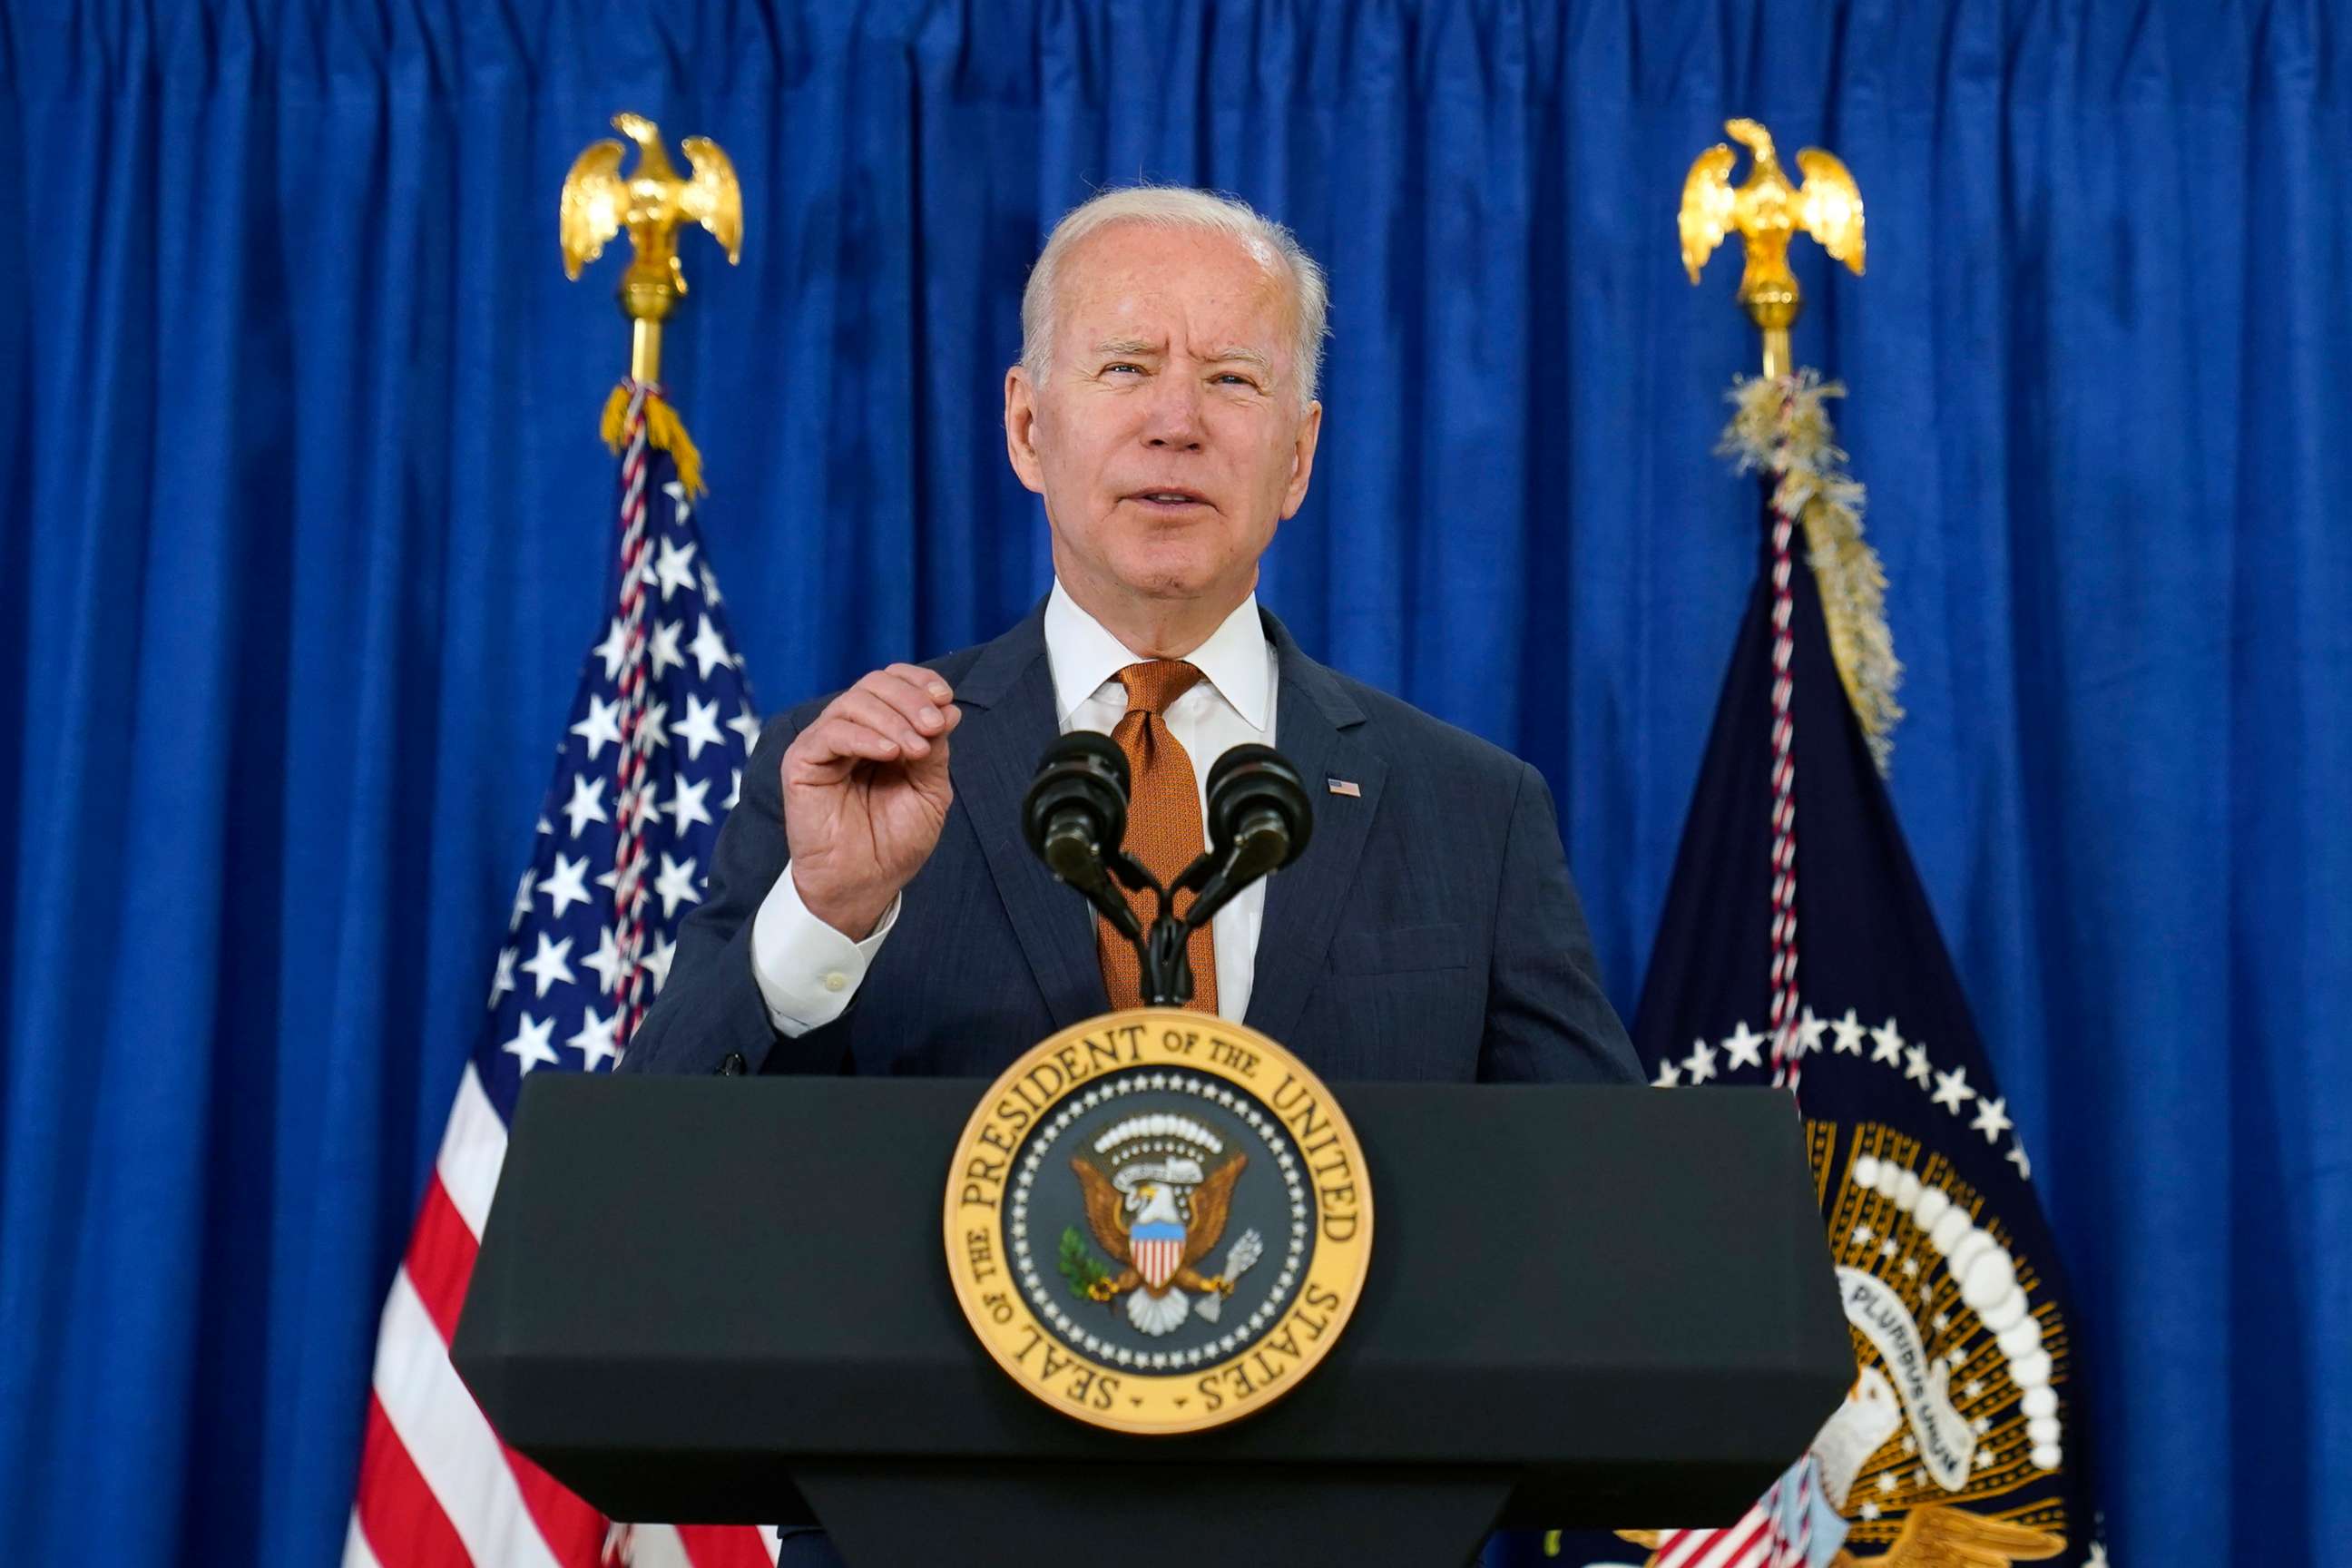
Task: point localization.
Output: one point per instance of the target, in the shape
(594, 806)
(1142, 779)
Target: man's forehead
(1130, 285)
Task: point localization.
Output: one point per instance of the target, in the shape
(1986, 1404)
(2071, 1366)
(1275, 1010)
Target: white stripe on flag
(472, 1149)
(447, 1436)
(656, 1546)
(355, 1547)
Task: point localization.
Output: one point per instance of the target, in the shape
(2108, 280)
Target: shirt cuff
(807, 972)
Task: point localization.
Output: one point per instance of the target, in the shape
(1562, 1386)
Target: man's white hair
(1180, 206)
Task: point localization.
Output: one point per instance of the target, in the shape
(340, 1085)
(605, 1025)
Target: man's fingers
(929, 682)
(840, 739)
(864, 707)
(910, 697)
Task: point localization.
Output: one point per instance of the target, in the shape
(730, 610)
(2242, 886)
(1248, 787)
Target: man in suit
(872, 906)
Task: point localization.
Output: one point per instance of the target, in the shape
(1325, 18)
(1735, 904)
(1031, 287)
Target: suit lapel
(1318, 727)
(1008, 701)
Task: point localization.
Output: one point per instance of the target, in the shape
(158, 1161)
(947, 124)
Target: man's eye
(1237, 379)
(1122, 364)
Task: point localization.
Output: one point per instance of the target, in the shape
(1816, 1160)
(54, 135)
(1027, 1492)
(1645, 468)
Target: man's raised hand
(866, 794)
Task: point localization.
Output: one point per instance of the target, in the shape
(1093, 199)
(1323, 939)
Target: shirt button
(835, 980)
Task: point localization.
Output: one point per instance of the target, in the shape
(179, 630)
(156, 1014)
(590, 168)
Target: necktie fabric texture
(1164, 830)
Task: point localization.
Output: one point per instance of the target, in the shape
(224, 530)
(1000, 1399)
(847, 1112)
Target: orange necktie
(1163, 827)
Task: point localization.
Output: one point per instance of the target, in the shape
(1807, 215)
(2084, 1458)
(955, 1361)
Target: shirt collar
(1084, 655)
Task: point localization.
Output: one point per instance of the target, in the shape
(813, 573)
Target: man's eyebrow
(1238, 355)
(1126, 346)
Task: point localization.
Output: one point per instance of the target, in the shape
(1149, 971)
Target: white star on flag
(709, 651)
(657, 962)
(653, 729)
(1849, 1034)
(530, 1045)
(1809, 1033)
(675, 885)
(613, 650)
(1744, 1047)
(596, 1038)
(1952, 1089)
(685, 804)
(1700, 1063)
(550, 964)
(746, 724)
(699, 728)
(602, 727)
(1889, 1045)
(587, 802)
(664, 652)
(566, 885)
(1991, 1119)
(606, 961)
(673, 567)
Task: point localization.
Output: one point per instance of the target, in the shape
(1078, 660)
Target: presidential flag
(651, 758)
(1797, 947)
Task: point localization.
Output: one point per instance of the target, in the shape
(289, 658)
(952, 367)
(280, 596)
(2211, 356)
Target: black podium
(725, 1300)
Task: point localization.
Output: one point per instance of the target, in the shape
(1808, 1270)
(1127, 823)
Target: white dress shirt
(808, 971)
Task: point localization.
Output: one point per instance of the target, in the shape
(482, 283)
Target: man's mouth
(1172, 499)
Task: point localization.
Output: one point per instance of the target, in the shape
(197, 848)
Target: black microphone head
(1081, 773)
(1253, 779)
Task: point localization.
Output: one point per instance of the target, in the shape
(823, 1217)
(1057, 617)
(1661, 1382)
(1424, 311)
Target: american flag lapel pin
(1348, 787)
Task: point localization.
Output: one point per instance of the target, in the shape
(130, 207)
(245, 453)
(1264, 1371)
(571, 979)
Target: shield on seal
(1157, 1247)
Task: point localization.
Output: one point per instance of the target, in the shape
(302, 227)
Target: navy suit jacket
(1429, 932)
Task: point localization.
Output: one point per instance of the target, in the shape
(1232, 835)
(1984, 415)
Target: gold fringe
(664, 429)
(1782, 426)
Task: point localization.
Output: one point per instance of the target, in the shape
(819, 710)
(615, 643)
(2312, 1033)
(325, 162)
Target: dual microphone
(1075, 819)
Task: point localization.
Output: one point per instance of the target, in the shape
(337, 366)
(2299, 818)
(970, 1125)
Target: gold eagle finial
(1765, 212)
(650, 202)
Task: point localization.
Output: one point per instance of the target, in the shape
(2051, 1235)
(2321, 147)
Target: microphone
(1259, 821)
(1076, 815)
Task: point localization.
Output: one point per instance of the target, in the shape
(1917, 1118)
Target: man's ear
(1302, 460)
(1021, 428)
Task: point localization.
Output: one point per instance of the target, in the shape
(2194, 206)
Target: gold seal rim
(1352, 1255)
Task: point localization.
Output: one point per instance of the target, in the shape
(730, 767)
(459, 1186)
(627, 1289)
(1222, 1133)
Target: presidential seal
(1158, 1221)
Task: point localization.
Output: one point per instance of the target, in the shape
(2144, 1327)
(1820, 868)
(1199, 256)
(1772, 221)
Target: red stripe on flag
(397, 1511)
(441, 1252)
(440, 1262)
(724, 1546)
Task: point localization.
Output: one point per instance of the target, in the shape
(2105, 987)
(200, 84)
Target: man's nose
(1174, 420)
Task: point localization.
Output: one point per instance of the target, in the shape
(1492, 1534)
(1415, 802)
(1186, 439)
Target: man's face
(1168, 439)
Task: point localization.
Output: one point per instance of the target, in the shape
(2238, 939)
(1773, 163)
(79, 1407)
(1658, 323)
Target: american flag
(622, 854)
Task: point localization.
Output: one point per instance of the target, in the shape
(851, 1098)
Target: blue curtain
(311, 529)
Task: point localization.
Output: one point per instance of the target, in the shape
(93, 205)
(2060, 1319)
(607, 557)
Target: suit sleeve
(711, 1006)
(1547, 1019)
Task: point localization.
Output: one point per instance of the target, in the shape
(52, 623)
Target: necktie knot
(1151, 686)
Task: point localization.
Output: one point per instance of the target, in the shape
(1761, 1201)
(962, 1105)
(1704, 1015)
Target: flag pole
(1765, 212)
(650, 204)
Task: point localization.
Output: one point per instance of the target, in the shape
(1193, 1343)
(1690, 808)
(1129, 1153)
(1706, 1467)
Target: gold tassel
(664, 429)
(1782, 426)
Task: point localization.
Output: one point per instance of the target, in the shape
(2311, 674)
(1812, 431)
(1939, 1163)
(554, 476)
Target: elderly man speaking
(872, 907)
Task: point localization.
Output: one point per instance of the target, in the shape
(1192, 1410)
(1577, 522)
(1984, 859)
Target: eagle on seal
(1158, 1230)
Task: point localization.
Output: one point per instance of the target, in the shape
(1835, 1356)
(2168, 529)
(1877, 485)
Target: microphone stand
(1164, 946)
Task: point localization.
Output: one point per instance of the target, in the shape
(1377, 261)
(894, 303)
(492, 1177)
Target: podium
(725, 1300)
